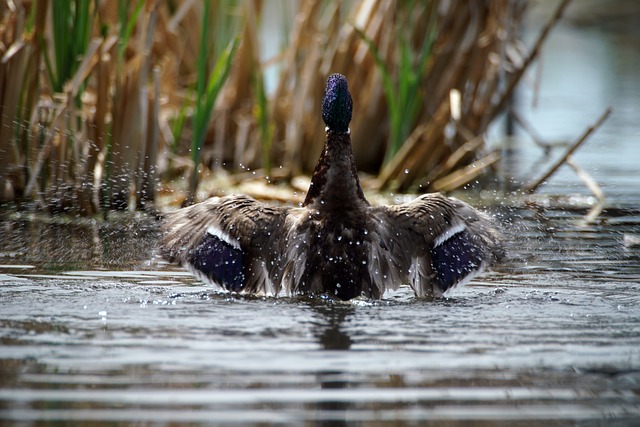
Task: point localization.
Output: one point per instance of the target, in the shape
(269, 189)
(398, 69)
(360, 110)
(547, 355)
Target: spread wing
(433, 243)
(229, 241)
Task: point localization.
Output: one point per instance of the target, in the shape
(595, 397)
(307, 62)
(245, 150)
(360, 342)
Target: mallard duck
(335, 243)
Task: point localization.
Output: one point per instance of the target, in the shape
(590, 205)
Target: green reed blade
(206, 96)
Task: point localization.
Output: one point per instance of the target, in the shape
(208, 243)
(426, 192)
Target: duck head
(335, 178)
(337, 105)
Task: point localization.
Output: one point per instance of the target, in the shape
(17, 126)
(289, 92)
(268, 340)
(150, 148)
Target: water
(553, 334)
(95, 329)
(583, 71)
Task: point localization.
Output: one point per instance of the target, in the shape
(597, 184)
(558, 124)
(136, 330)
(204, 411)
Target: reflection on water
(331, 337)
(58, 244)
(554, 334)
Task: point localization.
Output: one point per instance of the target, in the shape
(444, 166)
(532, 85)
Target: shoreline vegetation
(118, 105)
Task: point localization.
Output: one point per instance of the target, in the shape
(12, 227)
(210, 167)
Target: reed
(126, 149)
(404, 61)
(14, 51)
(71, 27)
(134, 91)
(402, 89)
(207, 90)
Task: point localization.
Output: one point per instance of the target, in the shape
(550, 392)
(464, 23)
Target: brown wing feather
(242, 220)
(412, 235)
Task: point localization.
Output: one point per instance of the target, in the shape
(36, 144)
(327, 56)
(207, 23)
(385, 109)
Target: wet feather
(336, 243)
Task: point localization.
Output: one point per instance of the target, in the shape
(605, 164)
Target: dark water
(95, 329)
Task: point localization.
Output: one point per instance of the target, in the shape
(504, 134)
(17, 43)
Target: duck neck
(335, 185)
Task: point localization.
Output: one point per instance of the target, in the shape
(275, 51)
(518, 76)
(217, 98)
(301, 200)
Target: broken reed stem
(534, 186)
(89, 61)
(526, 126)
(414, 146)
(593, 186)
(44, 152)
(515, 78)
(455, 158)
(465, 175)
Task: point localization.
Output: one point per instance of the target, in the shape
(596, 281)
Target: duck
(335, 243)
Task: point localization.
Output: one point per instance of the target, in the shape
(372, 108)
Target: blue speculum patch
(219, 261)
(454, 259)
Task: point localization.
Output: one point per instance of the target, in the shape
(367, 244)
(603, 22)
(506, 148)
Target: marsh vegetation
(111, 105)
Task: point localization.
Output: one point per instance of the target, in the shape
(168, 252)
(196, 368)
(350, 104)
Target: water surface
(554, 334)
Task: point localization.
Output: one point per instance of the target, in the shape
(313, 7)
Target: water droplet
(406, 171)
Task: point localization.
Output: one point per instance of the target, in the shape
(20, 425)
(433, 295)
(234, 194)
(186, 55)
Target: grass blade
(205, 102)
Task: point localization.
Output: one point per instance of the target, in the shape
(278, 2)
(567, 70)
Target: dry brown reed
(123, 118)
(476, 52)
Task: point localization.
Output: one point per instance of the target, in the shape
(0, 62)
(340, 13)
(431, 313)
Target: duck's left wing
(229, 241)
(433, 243)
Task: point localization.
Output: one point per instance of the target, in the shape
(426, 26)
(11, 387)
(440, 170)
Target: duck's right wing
(229, 241)
(433, 243)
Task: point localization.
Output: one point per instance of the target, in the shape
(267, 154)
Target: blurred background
(133, 105)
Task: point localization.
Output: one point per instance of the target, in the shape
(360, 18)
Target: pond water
(95, 329)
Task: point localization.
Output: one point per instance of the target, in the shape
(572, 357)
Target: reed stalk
(403, 88)
(124, 148)
(71, 33)
(136, 91)
(12, 70)
(208, 87)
